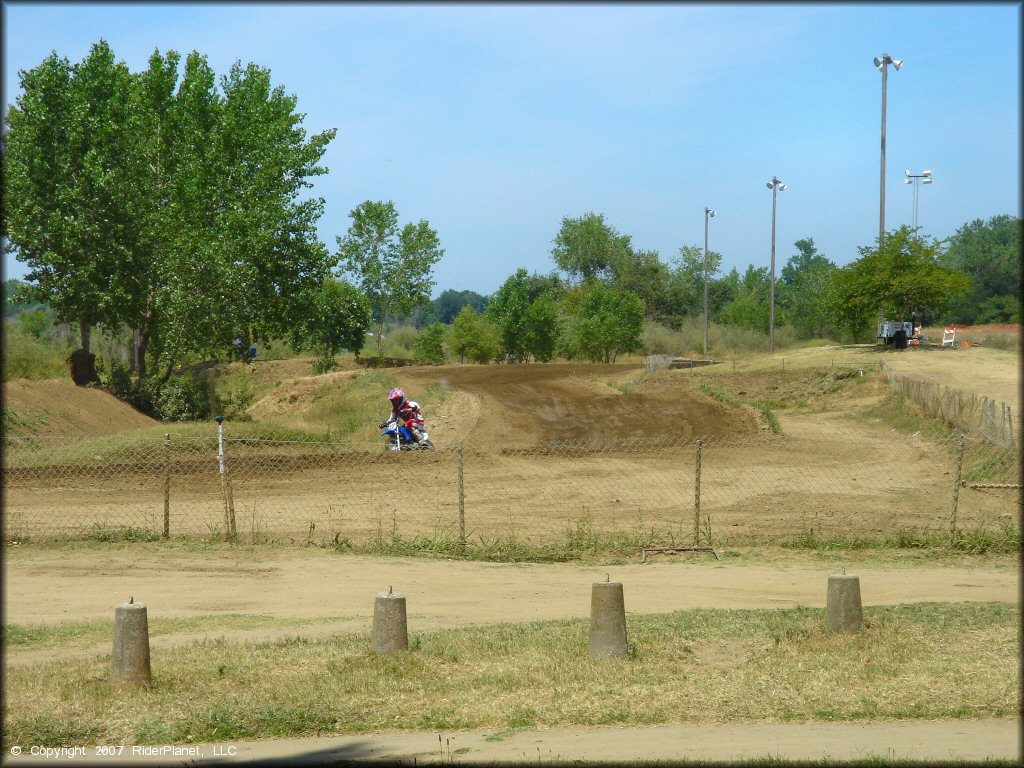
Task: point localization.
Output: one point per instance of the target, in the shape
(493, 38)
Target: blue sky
(495, 121)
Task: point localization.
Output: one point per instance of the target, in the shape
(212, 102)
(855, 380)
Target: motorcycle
(398, 437)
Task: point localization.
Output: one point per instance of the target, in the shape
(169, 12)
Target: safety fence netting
(858, 484)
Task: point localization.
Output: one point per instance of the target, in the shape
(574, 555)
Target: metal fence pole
(462, 499)
(167, 485)
(696, 500)
(957, 470)
(225, 484)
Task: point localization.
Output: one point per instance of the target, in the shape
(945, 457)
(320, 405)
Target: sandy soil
(59, 407)
(527, 406)
(42, 586)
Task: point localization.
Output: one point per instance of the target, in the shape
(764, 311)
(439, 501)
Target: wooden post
(957, 470)
(167, 485)
(462, 500)
(1009, 423)
(696, 500)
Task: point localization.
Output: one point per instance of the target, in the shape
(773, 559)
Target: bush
(183, 398)
(28, 357)
(239, 392)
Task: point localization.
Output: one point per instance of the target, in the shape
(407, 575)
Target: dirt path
(54, 586)
(925, 741)
(538, 403)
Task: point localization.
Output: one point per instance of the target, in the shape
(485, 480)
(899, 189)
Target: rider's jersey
(410, 409)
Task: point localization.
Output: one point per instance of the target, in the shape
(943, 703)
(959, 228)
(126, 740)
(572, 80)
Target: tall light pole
(708, 214)
(775, 186)
(924, 177)
(883, 65)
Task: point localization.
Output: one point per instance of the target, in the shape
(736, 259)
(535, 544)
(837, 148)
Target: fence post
(957, 470)
(696, 500)
(462, 499)
(1009, 423)
(225, 483)
(167, 485)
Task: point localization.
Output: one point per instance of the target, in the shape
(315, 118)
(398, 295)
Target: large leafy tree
(904, 276)
(473, 336)
(334, 317)
(609, 321)
(801, 289)
(587, 247)
(393, 265)
(643, 273)
(989, 252)
(528, 323)
(166, 206)
(67, 198)
(750, 307)
(688, 282)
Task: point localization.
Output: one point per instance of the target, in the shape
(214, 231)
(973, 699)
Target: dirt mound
(539, 403)
(57, 407)
(295, 396)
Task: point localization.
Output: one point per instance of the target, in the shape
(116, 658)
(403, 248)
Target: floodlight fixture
(924, 177)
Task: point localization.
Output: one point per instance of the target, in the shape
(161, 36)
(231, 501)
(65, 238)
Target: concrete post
(843, 612)
(607, 620)
(390, 632)
(129, 661)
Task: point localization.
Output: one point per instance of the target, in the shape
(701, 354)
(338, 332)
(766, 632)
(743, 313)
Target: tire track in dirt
(551, 402)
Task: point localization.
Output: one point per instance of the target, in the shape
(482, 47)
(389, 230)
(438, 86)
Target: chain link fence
(855, 485)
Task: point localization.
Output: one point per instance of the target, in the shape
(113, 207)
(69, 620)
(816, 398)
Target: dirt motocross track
(525, 404)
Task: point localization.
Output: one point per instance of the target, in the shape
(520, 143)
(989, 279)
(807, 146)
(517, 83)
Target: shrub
(28, 357)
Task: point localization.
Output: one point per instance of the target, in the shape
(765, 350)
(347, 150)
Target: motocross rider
(407, 412)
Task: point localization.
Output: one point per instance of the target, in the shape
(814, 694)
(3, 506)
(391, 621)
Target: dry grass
(912, 661)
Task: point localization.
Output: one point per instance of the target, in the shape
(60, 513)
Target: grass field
(912, 661)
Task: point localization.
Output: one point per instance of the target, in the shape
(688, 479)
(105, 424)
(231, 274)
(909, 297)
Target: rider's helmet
(397, 397)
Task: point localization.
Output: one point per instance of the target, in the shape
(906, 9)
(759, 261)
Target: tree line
(173, 204)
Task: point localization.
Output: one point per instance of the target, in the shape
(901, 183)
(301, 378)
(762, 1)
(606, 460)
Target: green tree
(473, 337)
(905, 274)
(587, 247)
(989, 252)
(392, 265)
(162, 206)
(689, 277)
(335, 317)
(543, 327)
(800, 292)
(67, 201)
(643, 273)
(34, 323)
(526, 326)
(609, 321)
(429, 343)
(750, 308)
(445, 307)
(15, 299)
